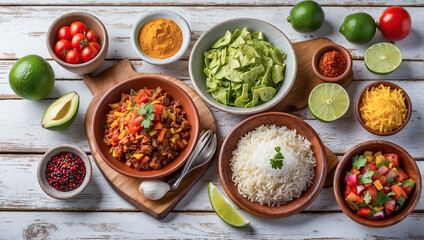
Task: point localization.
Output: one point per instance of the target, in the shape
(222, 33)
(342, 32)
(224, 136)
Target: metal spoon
(202, 153)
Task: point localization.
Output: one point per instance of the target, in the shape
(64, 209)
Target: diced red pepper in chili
(142, 97)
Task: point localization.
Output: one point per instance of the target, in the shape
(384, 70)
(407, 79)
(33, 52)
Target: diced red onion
(391, 172)
(391, 204)
(360, 189)
(379, 215)
(383, 169)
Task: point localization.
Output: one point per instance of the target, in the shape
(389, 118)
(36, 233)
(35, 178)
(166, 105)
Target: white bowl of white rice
(272, 164)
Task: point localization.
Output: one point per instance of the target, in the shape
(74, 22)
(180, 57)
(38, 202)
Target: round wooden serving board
(127, 187)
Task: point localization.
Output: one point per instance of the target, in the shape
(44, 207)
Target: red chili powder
(332, 64)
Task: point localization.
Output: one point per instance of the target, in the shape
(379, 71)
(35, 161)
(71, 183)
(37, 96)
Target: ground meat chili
(146, 129)
(332, 64)
(65, 171)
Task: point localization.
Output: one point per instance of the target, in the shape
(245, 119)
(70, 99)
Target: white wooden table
(27, 212)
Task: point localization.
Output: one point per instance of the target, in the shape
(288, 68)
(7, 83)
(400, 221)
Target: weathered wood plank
(20, 22)
(82, 225)
(408, 70)
(27, 135)
(212, 2)
(19, 193)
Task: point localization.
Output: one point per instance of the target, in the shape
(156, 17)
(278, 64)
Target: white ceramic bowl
(42, 165)
(272, 34)
(179, 20)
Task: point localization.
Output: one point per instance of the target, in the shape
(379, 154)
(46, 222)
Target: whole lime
(31, 77)
(306, 16)
(358, 28)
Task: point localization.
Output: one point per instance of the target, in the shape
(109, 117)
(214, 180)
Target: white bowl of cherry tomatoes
(78, 42)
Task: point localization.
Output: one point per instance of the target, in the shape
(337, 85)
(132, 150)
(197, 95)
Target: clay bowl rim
(338, 187)
(326, 48)
(42, 165)
(96, 21)
(162, 172)
(358, 101)
(270, 211)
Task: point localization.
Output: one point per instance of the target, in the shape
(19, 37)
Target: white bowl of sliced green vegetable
(243, 66)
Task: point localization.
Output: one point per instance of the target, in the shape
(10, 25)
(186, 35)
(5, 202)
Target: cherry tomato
(395, 23)
(61, 48)
(78, 27)
(79, 41)
(88, 53)
(92, 36)
(64, 33)
(73, 56)
(96, 45)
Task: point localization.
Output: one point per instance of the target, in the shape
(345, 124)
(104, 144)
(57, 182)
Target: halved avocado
(61, 113)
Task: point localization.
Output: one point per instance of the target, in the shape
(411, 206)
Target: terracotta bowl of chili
(114, 96)
(277, 119)
(406, 162)
(91, 22)
(405, 118)
(64, 171)
(332, 63)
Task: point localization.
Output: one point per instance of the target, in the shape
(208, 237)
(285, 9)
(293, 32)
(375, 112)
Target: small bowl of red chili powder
(332, 63)
(64, 171)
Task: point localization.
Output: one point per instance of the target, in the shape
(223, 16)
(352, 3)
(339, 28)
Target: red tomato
(64, 33)
(364, 211)
(96, 45)
(79, 41)
(78, 27)
(392, 158)
(142, 97)
(407, 190)
(73, 56)
(158, 112)
(88, 53)
(395, 23)
(354, 198)
(61, 48)
(373, 192)
(369, 166)
(92, 36)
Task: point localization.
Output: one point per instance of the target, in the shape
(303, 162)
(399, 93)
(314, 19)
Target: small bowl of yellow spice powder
(161, 37)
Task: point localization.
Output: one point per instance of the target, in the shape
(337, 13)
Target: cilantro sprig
(277, 161)
(358, 161)
(148, 110)
(366, 177)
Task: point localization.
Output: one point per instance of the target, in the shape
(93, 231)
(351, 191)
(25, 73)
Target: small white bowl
(41, 171)
(165, 14)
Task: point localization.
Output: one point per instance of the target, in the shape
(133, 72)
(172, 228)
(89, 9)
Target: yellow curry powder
(160, 38)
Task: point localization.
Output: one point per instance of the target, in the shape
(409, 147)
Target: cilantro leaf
(391, 194)
(133, 104)
(148, 110)
(277, 161)
(381, 198)
(377, 174)
(349, 173)
(358, 161)
(396, 183)
(408, 183)
(366, 177)
(367, 197)
(105, 126)
(385, 162)
(389, 178)
(401, 201)
(355, 205)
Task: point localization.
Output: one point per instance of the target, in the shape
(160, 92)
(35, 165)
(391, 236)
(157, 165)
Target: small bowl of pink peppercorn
(64, 171)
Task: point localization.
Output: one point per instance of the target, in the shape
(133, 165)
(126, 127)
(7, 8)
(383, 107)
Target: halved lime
(224, 209)
(383, 58)
(328, 102)
(61, 113)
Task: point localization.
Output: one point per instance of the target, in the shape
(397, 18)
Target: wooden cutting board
(127, 187)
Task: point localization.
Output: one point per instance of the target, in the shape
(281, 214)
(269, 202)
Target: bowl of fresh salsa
(377, 183)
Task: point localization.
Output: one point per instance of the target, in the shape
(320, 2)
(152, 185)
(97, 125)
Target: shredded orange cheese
(383, 109)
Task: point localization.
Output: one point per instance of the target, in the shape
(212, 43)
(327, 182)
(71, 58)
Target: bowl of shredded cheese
(383, 108)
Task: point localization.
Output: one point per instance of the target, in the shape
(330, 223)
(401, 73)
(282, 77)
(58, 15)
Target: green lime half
(328, 102)
(224, 209)
(383, 58)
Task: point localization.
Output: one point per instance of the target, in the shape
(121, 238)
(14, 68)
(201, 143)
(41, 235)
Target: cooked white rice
(252, 171)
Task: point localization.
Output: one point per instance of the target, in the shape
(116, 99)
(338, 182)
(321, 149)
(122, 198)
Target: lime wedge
(328, 102)
(61, 113)
(383, 58)
(224, 209)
